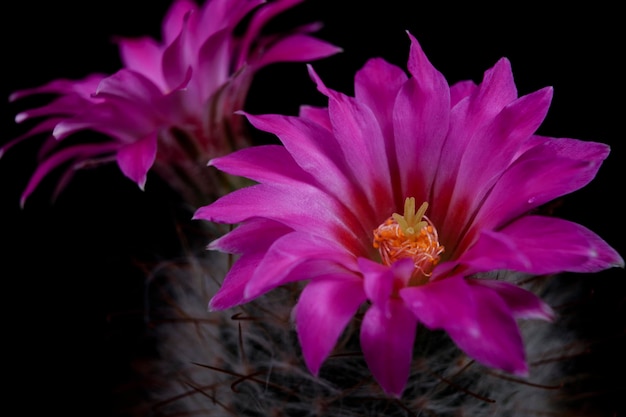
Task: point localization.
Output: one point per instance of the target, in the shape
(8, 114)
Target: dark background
(73, 286)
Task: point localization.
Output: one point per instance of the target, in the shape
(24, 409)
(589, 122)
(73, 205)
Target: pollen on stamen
(411, 235)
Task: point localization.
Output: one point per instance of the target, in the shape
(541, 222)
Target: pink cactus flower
(403, 201)
(172, 104)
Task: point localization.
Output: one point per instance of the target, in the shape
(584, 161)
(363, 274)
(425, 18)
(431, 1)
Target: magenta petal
(45, 126)
(174, 18)
(443, 304)
(231, 293)
(376, 85)
(523, 304)
(421, 122)
(143, 55)
(324, 309)
(293, 257)
(238, 240)
(387, 337)
(214, 59)
(303, 208)
(83, 88)
(542, 245)
(316, 151)
(491, 151)
(318, 115)
(298, 47)
(70, 154)
(67, 106)
(550, 169)
(129, 85)
(380, 281)
(461, 90)
(135, 159)
(356, 128)
(264, 164)
(475, 317)
(175, 64)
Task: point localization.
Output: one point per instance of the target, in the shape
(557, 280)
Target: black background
(72, 282)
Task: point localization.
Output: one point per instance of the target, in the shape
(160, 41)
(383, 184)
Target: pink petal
(356, 128)
(176, 63)
(494, 148)
(469, 115)
(551, 169)
(475, 317)
(421, 117)
(324, 308)
(214, 61)
(295, 257)
(387, 337)
(319, 115)
(380, 281)
(120, 118)
(174, 18)
(135, 159)
(77, 152)
(45, 126)
(491, 151)
(376, 85)
(313, 148)
(129, 85)
(264, 164)
(66, 105)
(304, 208)
(143, 55)
(522, 303)
(231, 293)
(238, 241)
(297, 48)
(84, 87)
(542, 245)
(226, 14)
(461, 90)
(317, 152)
(259, 19)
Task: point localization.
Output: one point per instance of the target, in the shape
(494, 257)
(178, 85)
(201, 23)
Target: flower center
(411, 235)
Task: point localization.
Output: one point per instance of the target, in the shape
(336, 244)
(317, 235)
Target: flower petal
(421, 116)
(174, 18)
(143, 55)
(550, 169)
(311, 146)
(297, 48)
(239, 241)
(324, 308)
(73, 153)
(231, 292)
(298, 256)
(522, 303)
(135, 159)
(381, 281)
(304, 208)
(475, 317)
(542, 245)
(264, 164)
(469, 115)
(387, 337)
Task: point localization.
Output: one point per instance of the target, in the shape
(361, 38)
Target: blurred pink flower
(172, 105)
(404, 200)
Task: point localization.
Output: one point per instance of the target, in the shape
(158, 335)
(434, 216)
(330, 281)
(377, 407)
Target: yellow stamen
(411, 235)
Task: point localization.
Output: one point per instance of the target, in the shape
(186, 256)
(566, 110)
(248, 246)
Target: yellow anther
(411, 235)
